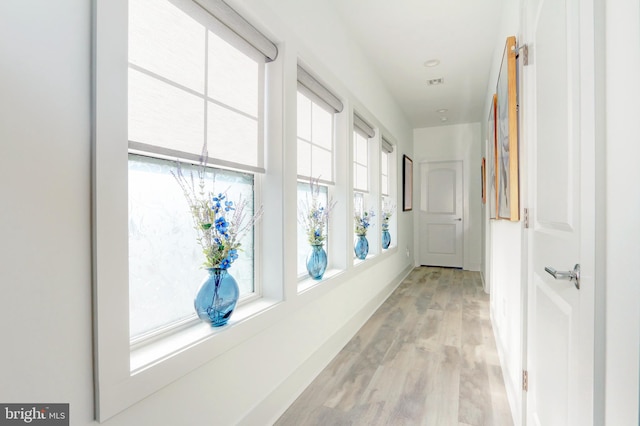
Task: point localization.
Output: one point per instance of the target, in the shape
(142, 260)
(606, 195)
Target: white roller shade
(318, 91)
(236, 23)
(386, 146)
(193, 84)
(361, 125)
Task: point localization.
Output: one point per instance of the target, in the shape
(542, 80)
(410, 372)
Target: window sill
(308, 283)
(145, 356)
(383, 252)
(357, 261)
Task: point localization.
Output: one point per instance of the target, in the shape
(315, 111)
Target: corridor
(427, 356)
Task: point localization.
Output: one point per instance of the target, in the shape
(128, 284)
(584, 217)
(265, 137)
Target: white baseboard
(514, 394)
(485, 284)
(473, 266)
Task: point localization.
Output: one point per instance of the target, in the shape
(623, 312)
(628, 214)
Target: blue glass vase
(217, 297)
(362, 247)
(386, 239)
(317, 262)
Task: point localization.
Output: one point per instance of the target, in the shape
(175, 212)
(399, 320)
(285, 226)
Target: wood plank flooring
(427, 356)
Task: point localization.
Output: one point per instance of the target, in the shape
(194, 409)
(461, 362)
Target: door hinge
(526, 218)
(525, 380)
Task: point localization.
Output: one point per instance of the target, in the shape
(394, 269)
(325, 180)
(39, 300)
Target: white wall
(45, 248)
(45, 268)
(449, 143)
(505, 255)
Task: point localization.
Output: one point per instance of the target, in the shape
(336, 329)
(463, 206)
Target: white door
(559, 117)
(441, 221)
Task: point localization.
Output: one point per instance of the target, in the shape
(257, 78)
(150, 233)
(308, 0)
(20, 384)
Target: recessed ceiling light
(443, 119)
(432, 63)
(442, 110)
(435, 81)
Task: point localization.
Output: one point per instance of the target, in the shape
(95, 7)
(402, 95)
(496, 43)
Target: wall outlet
(408, 252)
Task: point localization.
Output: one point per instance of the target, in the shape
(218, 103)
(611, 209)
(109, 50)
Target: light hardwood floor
(427, 356)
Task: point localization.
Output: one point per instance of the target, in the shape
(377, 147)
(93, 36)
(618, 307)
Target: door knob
(458, 219)
(566, 275)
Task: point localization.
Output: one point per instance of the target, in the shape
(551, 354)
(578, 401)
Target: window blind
(386, 146)
(318, 91)
(194, 85)
(236, 23)
(362, 126)
(315, 139)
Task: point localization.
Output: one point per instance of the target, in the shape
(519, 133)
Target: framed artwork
(407, 183)
(492, 187)
(507, 135)
(483, 177)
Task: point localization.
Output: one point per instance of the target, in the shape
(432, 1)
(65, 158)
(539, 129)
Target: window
(304, 196)
(362, 195)
(164, 257)
(194, 89)
(387, 188)
(315, 140)
(362, 131)
(358, 202)
(316, 108)
(160, 90)
(385, 184)
(360, 162)
(315, 121)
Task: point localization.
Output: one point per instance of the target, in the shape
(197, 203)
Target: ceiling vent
(435, 81)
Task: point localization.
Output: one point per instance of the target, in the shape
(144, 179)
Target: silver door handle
(566, 275)
(458, 219)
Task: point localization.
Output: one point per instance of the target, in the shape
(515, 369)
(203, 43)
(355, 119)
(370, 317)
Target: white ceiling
(399, 36)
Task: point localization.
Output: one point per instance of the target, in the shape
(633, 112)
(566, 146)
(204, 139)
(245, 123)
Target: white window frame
(137, 342)
(367, 205)
(389, 198)
(362, 129)
(320, 96)
(125, 375)
(302, 277)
